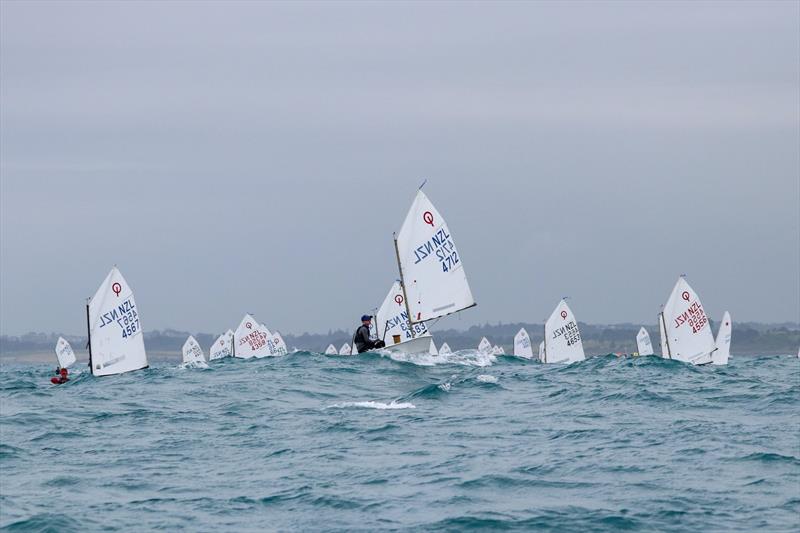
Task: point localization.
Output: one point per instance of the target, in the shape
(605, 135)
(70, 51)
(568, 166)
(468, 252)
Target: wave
(374, 405)
(461, 357)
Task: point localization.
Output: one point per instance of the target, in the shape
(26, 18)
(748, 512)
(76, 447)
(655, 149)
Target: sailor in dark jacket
(361, 340)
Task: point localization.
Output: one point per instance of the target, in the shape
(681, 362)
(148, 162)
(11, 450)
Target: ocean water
(312, 442)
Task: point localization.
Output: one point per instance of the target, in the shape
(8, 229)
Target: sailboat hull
(416, 345)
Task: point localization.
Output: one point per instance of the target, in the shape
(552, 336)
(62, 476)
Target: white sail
(541, 351)
(485, 347)
(723, 341)
(115, 330)
(522, 344)
(192, 352)
(643, 344)
(688, 332)
(345, 349)
(278, 345)
(444, 349)
(250, 339)
(431, 266)
(331, 350)
(392, 319)
(562, 340)
(497, 350)
(64, 353)
(222, 347)
(433, 350)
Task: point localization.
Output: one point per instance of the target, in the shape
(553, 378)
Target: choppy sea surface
(312, 442)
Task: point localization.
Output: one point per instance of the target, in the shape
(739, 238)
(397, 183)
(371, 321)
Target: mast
(89, 338)
(403, 286)
(544, 339)
(666, 334)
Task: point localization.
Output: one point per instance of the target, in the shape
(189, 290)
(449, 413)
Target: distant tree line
(749, 338)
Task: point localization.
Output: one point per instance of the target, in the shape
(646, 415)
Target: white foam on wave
(194, 364)
(464, 357)
(486, 378)
(374, 405)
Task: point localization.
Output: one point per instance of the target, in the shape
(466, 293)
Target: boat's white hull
(416, 345)
(697, 360)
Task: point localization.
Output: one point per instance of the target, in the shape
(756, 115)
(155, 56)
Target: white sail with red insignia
(430, 265)
(687, 329)
(116, 343)
(562, 339)
(723, 341)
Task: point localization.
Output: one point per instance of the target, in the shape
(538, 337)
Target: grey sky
(258, 156)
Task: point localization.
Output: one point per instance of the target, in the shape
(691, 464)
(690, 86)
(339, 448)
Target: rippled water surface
(310, 442)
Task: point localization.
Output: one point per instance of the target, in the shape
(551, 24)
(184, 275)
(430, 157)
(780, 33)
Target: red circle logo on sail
(564, 315)
(427, 216)
(398, 299)
(685, 295)
(117, 288)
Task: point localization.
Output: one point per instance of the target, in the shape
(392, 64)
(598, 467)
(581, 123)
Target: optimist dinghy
(222, 347)
(64, 353)
(116, 343)
(252, 339)
(522, 345)
(433, 350)
(485, 347)
(643, 344)
(393, 327)
(444, 349)
(192, 352)
(723, 341)
(331, 350)
(686, 330)
(562, 340)
(432, 282)
(345, 350)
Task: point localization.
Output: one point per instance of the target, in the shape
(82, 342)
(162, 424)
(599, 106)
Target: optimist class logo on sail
(439, 244)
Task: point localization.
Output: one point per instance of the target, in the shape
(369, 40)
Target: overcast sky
(256, 157)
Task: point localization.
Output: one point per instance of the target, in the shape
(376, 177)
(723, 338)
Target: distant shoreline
(749, 339)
